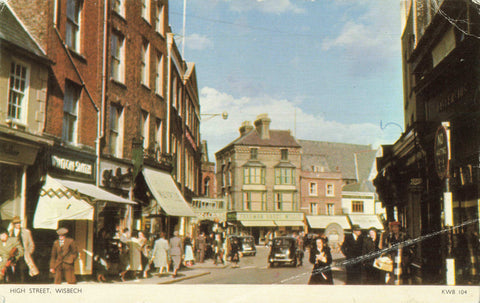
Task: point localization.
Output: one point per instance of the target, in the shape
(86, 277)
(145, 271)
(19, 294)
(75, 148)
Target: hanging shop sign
(442, 151)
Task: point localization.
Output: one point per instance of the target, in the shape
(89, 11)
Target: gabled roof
(364, 187)
(13, 32)
(365, 163)
(337, 155)
(278, 138)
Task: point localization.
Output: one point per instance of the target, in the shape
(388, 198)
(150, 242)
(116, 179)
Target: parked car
(284, 250)
(248, 245)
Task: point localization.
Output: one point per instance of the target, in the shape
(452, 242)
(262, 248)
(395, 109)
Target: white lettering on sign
(73, 166)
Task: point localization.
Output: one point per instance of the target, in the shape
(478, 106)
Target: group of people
(368, 247)
(360, 252)
(209, 247)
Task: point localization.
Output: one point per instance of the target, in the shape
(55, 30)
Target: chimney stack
(245, 128)
(262, 125)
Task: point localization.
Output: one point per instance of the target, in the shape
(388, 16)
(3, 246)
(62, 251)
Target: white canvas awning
(69, 200)
(321, 222)
(167, 194)
(366, 221)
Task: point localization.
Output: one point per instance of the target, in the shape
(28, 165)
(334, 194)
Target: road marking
(265, 267)
(248, 267)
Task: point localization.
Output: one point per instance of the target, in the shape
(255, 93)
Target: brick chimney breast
(245, 128)
(262, 125)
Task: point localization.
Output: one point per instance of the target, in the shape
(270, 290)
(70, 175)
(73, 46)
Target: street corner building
(99, 122)
(429, 178)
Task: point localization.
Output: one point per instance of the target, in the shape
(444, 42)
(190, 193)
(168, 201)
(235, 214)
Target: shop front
(165, 209)
(262, 225)
(333, 227)
(211, 216)
(69, 198)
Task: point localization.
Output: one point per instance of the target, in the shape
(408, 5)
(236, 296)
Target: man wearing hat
(352, 248)
(24, 236)
(64, 254)
(10, 251)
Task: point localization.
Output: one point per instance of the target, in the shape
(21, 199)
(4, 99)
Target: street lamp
(210, 116)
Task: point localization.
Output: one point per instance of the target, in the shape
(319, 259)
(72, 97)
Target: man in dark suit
(64, 254)
(352, 248)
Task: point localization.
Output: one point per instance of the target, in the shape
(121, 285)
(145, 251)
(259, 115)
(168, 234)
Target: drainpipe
(169, 83)
(101, 118)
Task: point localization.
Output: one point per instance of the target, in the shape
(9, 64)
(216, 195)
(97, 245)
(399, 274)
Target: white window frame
(71, 112)
(285, 176)
(145, 120)
(314, 208)
(145, 64)
(312, 189)
(118, 131)
(330, 192)
(146, 10)
(73, 26)
(160, 19)
(15, 90)
(117, 54)
(159, 135)
(254, 175)
(118, 6)
(159, 75)
(330, 208)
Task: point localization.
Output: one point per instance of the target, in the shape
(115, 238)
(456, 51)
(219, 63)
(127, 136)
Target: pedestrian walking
(145, 249)
(189, 258)
(11, 251)
(218, 248)
(400, 255)
(200, 246)
(352, 248)
(100, 255)
(64, 255)
(24, 236)
(235, 248)
(160, 253)
(176, 252)
(321, 258)
(135, 248)
(370, 274)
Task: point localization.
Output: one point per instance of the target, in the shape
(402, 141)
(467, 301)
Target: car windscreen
(247, 240)
(282, 242)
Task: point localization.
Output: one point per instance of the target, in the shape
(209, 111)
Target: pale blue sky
(334, 64)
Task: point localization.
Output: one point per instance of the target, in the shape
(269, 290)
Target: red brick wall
(322, 179)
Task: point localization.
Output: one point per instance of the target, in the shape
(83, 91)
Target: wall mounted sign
(442, 152)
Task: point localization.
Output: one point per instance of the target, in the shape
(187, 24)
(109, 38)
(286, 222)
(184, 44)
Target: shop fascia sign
(270, 216)
(73, 166)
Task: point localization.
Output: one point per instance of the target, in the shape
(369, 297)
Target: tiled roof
(364, 186)
(365, 163)
(12, 31)
(337, 155)
(278, 138)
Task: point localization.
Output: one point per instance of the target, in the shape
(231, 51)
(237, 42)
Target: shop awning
(58, 203)
(167, 194)
(321, 222)
(69, 200)
(252, 223)
(366, 221)
(289, 223)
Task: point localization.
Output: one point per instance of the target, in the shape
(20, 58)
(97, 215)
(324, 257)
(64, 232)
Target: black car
(248, 245)
(284, 250)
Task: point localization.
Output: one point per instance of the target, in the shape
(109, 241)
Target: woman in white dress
(160, 253)
(187, 243)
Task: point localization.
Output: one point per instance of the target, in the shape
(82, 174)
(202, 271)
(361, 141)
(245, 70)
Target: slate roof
(13, 32)
(278, 138)
(365, 163)
(335, 154)
(364, 186)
